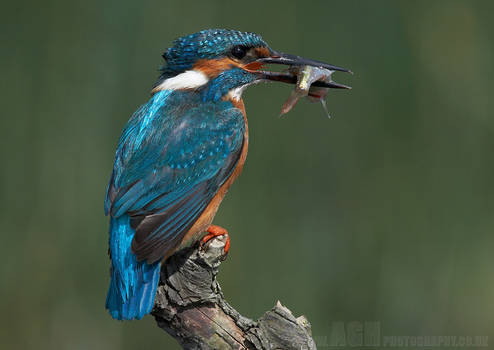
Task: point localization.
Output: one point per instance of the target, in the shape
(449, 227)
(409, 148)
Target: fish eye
(239, 51)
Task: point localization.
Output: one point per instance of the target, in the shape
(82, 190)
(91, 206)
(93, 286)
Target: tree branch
(190, 306)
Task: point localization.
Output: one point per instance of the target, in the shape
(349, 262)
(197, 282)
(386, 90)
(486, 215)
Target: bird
(178, 155)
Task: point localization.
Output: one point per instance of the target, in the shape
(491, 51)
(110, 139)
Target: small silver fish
(306, 76)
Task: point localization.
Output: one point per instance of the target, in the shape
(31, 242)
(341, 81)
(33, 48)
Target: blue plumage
(133, 284)
(173, 155)
(219, 86)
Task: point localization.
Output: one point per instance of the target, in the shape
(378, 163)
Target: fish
(306, 77)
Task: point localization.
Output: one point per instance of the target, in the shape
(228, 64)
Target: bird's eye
(239, 51)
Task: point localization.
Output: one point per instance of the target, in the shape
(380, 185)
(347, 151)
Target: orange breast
(206, 218)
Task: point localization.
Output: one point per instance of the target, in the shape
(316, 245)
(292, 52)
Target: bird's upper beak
(297, 61)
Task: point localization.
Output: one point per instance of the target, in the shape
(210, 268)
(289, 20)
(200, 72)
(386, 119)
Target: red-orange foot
(214, 231)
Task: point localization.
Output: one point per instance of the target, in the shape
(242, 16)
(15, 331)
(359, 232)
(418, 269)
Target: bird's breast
(239, 103)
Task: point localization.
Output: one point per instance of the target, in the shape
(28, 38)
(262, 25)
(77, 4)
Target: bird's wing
(169, 165)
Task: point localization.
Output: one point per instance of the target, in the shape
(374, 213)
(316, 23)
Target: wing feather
(169, 166)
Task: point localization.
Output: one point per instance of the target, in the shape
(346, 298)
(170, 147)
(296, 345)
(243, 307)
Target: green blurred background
(382, 213)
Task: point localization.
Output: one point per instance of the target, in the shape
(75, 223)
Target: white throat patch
(190, 79)
(236, 94)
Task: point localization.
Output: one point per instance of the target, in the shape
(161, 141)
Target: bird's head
(220, 62)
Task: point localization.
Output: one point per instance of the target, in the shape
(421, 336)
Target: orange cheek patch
(212, 68)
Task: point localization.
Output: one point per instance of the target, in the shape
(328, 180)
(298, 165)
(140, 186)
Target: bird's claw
(215, 231)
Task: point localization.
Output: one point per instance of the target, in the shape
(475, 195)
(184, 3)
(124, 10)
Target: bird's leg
(214, 231)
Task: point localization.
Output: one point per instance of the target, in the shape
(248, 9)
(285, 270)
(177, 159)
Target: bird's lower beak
(297, 61)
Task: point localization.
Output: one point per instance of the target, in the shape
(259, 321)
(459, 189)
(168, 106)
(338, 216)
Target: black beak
(293, 60)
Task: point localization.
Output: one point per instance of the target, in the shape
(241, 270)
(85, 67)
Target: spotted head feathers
(207, 44)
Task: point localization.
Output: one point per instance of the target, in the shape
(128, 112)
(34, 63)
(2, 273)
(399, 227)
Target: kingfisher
(178, 155)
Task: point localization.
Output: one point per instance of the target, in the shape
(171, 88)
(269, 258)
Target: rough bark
(191, 307)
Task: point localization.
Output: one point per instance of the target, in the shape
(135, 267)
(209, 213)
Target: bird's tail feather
(133, 284)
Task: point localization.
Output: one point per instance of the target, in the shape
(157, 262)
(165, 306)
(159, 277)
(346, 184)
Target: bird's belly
(205, 220)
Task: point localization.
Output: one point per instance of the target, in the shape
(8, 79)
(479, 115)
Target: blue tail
(133, 284)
